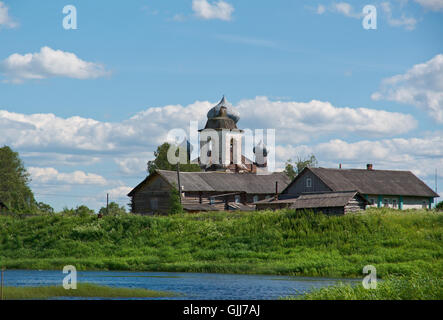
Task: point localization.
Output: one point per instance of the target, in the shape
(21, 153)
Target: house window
(255, 198)
(394, 204)
(308, 182)
(424, 205)
(372, 202)
(386, 202)
(211, 200)
(237, 199)
(154, 203)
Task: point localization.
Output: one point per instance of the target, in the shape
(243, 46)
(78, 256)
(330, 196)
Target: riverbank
(280, 243)
(416, 287)
(84, 290)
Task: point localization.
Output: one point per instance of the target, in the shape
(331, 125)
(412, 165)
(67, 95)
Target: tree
(175, 205)
(14, 183)
(161, 161)
(289, 170)
(83, 211)
(113, 209)
(439, 206)
(292, 170)
(44, 208)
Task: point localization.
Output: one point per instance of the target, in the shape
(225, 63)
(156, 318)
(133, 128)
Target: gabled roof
(223, 182)
(383, 182)
(324, 200)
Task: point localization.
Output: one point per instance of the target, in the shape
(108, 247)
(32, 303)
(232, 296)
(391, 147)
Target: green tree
(289, 170)
(175, 205)
(14, 183)
(83, 211)
(293, 169)
(113, 209)
(161, 161)
(439, 206)
(44, 208)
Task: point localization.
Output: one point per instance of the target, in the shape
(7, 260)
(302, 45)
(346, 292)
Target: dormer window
(308, 182)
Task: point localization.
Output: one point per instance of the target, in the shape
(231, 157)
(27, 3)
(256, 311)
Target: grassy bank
(416, 287)
(283, 242)
(84, 290)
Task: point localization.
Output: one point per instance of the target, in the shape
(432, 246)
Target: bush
(439, 206)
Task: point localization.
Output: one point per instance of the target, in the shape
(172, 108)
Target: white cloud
(215, 10)
(119, 193)
(5, 19)
(345, 9)
(52, 175)
(421, 155)
(49, 63)
(303, 121)
(295, 121)
(434, 5)
(421, 86)
(407, 22)
(321, 9)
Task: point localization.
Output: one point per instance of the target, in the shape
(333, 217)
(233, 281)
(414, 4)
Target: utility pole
(107, 204)
(179, 185)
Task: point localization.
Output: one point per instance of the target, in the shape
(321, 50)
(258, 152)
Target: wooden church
(228, 181)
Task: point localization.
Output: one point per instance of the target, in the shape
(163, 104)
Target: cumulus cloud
(5, 18)
(421, 155)
(216, 10)
(345, 9)
(49, 63)
(297, 121)
(302, 121)
(407, 22)
(52, 175)
(434, 5)
(421, 86)
(119, 193)
(321, 9)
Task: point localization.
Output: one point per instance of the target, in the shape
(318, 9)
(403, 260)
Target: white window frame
(308, 183)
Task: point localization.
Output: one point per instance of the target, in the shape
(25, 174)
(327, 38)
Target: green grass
(84, 290)
(417, 287)
(283, 242)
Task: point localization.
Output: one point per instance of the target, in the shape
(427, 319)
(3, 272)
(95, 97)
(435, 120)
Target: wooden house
(205, 191)
(381, 188)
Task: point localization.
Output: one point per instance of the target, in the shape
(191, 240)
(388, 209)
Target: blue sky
(87, 111)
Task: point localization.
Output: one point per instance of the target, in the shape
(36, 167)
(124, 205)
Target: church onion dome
(231, 112)
(261, 149)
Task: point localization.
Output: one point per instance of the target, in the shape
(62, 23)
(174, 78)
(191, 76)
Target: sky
(87, 106)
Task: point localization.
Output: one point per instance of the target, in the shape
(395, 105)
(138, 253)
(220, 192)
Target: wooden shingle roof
(224, 182)
(385, 182)
(323, 200)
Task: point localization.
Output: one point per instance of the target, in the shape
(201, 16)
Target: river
(198, 286)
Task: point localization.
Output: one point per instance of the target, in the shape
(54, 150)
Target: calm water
(190, 285)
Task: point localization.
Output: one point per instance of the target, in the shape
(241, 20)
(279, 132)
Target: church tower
(221, 140)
